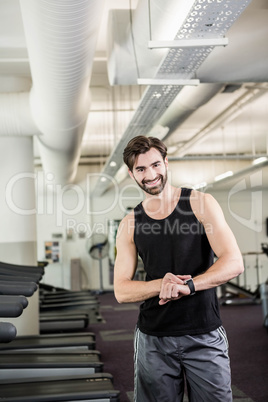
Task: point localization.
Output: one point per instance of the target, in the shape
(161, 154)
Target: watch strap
(190, 284)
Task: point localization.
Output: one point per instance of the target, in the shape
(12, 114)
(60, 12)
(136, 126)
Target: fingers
(169, 291)
(162, 302)
(183, 278)
(171, 288)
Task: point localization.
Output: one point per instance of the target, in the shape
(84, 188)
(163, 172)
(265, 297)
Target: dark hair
(140, 145)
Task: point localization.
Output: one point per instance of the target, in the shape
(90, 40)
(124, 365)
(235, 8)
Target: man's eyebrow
(139, 167)
(144, 167)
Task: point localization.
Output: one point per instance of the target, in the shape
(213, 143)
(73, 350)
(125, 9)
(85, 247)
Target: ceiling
(217, 126)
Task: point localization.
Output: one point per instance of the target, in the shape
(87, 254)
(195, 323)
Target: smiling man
(176, 232)
(156, 169)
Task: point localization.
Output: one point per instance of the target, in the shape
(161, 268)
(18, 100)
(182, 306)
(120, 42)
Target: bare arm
(223, 243)
(125, 288)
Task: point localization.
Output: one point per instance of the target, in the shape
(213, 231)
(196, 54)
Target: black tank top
(176, 244)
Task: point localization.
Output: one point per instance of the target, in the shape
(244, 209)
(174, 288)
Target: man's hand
(173, 288)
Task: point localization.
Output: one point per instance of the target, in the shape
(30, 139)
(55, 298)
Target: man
(176, 232)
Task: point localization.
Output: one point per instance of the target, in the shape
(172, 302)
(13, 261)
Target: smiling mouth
(152, 183)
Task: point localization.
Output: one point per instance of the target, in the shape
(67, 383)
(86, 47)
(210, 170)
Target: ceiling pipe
(227, 115)
(15, 115)
(61, 38)
(187, 102)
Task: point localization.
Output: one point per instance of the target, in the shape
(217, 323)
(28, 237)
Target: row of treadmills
(60, 364)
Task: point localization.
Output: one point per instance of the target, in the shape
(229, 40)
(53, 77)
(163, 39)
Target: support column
(18, 216)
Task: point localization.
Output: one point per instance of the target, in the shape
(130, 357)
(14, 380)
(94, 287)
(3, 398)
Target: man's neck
(161, 205)
(168, 194)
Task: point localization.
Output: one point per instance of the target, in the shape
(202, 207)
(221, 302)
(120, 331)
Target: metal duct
(129, 32)
(188, 100)
(61, 37)
(15, 115)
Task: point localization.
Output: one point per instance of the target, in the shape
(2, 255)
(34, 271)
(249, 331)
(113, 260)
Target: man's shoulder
(126, 227)
(201, 203)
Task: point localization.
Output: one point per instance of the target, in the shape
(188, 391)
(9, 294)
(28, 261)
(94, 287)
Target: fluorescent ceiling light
(121, 174)
(172, 149)
(200, 185)
(180, 43)
(166, 81)
(260, 160)
(224, 175)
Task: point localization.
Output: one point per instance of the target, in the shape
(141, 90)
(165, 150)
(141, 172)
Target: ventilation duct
(188, 100)
(15, 115)
(61, 37)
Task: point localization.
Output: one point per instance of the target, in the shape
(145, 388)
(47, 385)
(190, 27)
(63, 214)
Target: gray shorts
(164, 364)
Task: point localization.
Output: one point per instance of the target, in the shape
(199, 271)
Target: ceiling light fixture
(180, 43)
(200, 185)
(224, 175)
(166, 81)
(260, 160)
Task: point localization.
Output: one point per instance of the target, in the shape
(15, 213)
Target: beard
(157, 189)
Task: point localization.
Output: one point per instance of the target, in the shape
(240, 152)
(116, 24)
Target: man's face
(150, 172)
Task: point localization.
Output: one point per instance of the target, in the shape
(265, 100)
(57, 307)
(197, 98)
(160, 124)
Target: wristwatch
(190, 283)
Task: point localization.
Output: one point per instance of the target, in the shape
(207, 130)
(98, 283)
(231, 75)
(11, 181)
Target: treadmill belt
(50, 342)
(96, 388)
(49, 360)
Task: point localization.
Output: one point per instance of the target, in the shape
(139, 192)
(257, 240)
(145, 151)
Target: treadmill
(77, 384)
(28, 365)
(95, 388)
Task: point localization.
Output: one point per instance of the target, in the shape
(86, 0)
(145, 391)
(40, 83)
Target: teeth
(153, 182)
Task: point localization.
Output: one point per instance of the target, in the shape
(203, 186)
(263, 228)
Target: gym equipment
(98, 248)
(26, 361)
(70, 305)
(11, 299)
(26, 365)
(264, 299)
(96, 387)
(264, 247)
(55, 323)
(81, 342)
(66, 310)
(239, 293)
(20, 268)
(67, 298)
(35, 272)
(18, 288)
(8, 332)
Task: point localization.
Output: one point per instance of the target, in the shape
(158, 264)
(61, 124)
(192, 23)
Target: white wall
(73, 208)
(246, 212)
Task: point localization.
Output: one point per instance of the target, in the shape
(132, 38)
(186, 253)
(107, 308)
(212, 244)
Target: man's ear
(130, 174)
(166, 161)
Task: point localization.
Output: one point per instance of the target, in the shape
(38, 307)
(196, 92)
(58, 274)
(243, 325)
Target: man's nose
(150, 174)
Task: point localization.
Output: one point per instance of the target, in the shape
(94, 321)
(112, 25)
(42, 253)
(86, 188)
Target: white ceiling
(231, 141)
